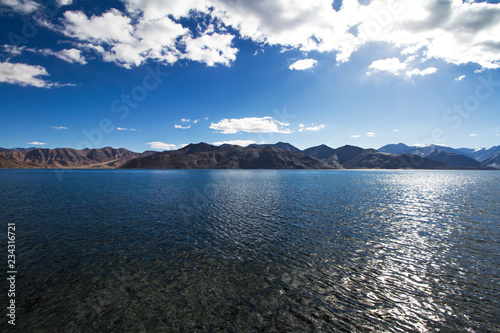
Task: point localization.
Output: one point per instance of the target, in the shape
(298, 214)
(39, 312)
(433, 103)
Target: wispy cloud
(161, 145)
(460, 78)
(395, 130)
(182, 127)
(21, 6)
(370, 134)
(126, 129)
(36, 143)
(473, 134)
(184, 120)
(395, 67)
(251, 125)
(355, 136)
(60, 127)
(313, 128)
(26, 75)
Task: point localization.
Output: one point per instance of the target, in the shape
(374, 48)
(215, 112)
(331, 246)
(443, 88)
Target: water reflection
(259, 251)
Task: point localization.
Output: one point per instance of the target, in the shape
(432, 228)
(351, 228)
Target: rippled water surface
(273, 251)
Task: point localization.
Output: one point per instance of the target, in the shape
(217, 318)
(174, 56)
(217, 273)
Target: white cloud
(36, 143)
(195, 121)
(313, 128)
(355, 136)
(184, 120)
(64, 2)
(454, 31)
(305, 25)
(21, 6)
(71, 55)
(460, 78)
(161, 145)
(390, 65)
(121, 129)
(395, 67)
(424, 72)
(110, 27)
(157, 9)
(210, 49)
(60, 127)
(473, 134)
(182, 127)
(370, 134)
(242, 143)
(149, 33)
(251, 125)
(25, 75)
(303, 64)
(395, 130)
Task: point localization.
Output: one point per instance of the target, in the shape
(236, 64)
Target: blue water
(257, 250)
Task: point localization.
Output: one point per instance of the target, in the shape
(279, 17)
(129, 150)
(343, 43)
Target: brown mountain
(352, 157)
(70, 158)
(6, 163)
(205, 156)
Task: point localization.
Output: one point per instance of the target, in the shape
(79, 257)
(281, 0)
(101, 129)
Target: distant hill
(70, 158)
(281, 155)
(452, 159)
(493, 161)
(462, 157)
(398, 148)
(484, 154)
(6, 163)
(352, 157)
(281, 145)
(205, 156)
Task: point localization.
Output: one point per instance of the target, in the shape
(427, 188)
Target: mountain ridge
(281, 155)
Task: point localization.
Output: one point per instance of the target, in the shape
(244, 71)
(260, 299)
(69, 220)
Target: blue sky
(147, 74)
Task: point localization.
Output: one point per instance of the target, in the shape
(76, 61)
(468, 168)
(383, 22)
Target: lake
(253, 250)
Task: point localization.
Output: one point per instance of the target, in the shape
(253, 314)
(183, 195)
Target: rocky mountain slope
(69, 158)
(462, 157)
(351, 157)
(205, 156)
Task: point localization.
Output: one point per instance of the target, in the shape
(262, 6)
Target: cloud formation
(36, 143)
(21, 6)
(303, 64)
(161, 145)
(454, 31)
(182, 127)
(313, 128)
(25, 75)
(251, 125)
(60, 127)
(395, 67)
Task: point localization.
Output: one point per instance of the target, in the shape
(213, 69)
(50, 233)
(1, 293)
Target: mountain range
(461, 157)
(257, 156)
(106, 157)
